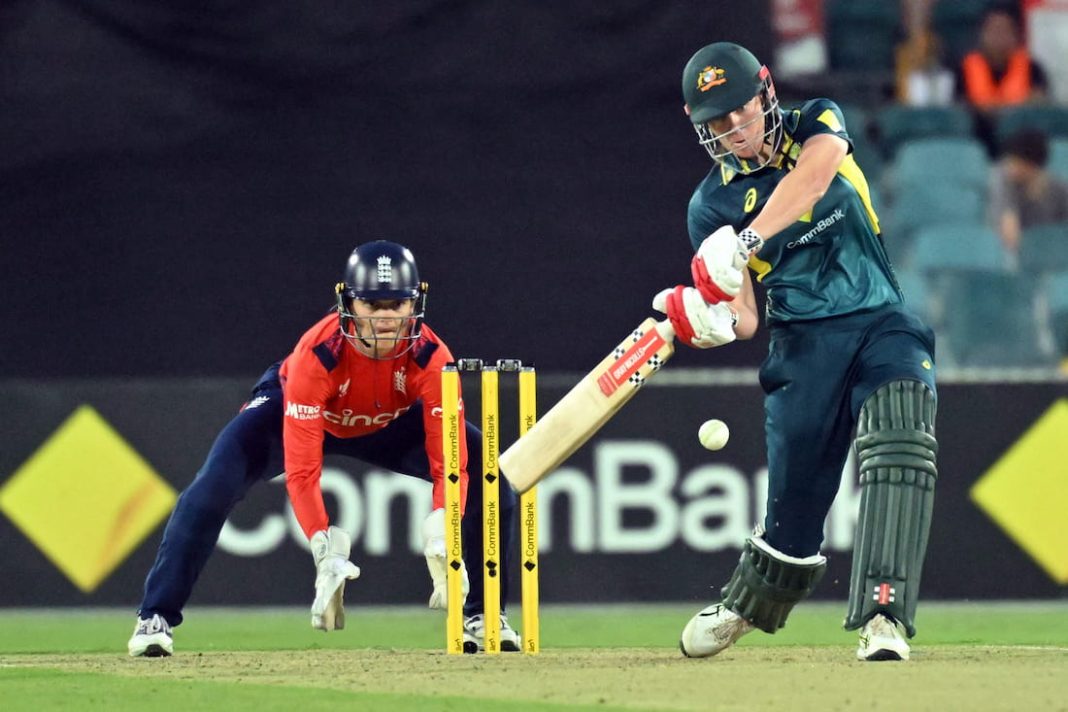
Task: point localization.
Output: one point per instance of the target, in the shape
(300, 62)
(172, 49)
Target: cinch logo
(299, 411)
(351, 420)
(822, 225)
(710, 77)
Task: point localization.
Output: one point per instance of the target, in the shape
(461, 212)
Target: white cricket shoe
(881, 639)
(713, 630)
(475, 635)
(151, 638)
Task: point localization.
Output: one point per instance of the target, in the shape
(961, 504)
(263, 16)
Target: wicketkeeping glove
(718, 266)
(436, 560)
(330, 549)
(696, 322)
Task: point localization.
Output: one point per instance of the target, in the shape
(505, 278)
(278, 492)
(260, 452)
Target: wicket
(491, 569)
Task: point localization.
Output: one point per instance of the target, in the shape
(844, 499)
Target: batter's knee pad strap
(896, 450)
(767, 584)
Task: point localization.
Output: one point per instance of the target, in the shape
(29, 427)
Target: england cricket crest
(385, 268)
(400, 381)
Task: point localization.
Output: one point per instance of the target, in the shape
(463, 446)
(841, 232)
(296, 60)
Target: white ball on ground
(714, 434)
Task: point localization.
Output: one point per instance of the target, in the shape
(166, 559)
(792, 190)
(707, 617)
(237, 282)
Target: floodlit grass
(594, 657)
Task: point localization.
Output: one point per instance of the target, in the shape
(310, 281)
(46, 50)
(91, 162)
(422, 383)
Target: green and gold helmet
(719, 79)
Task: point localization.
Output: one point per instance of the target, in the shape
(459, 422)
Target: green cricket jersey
(828, 263)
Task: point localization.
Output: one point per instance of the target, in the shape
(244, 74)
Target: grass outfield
(1005, 656)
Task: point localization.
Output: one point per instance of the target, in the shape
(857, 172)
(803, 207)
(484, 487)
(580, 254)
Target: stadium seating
(931, 204)
(1058, 158)
(1057, 292)
(1051, 119)
(897, 123)
(981, 310)
(1044, 249)
(915, 291)
(861, 34)
(921, 162)
(958, 246)
(957, 23)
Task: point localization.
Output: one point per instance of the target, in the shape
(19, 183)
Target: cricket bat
(589, 405)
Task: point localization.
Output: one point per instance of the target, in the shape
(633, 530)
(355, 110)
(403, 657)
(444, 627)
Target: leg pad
(896, 451)
(767, 584)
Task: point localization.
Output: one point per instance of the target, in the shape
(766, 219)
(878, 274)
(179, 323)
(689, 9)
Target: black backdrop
(182, 181)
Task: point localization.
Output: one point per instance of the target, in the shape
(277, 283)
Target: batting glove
(436, 560)
(330, 549)
(696, 322)
(718, 266)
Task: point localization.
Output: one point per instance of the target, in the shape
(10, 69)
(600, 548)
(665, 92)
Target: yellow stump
(491, 503)
(452, 430)
(528, 521)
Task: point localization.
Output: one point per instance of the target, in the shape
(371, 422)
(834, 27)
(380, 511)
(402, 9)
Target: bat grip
(666, 330)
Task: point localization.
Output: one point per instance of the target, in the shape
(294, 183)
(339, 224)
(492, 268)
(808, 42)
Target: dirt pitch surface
(796, 678)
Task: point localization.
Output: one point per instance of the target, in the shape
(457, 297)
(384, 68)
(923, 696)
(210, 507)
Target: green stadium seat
(1051, 119)
(1044, 249)
(958, 246)
(989, 321)
(975, 301)
(861, 34)
(1057, 295)
(917, 207)
(962, 161)
(870, 160)
(957, 23)
(914, 288)
(1058, 158)
(896, 124)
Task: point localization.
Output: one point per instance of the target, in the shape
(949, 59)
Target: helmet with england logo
(380, 274)
(730, 99)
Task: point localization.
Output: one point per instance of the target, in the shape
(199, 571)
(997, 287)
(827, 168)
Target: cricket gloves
(330, 549)
(718, 266)
(437, 562)
(696, 322)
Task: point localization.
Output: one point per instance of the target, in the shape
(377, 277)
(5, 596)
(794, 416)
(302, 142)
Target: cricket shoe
(475, 635)
(713, 630)
(881, 639)
(152, 638)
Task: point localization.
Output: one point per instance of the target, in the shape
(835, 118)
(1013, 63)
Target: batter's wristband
(751, 239)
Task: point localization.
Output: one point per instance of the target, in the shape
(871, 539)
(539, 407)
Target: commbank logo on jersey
(812, 234)
(711, 77)
(385, 268)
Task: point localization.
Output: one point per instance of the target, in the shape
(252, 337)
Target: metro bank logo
(299, 411)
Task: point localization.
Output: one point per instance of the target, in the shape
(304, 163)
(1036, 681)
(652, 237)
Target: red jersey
(328, 386)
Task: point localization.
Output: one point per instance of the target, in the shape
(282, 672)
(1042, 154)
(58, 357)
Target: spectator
(1023, 193)
(1000, 71)
(921, 76)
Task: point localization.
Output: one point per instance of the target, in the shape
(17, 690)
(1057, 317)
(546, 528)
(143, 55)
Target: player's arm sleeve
(821, 116)
(701, 219)
(302, 437)
(429, 385)
(824, 146)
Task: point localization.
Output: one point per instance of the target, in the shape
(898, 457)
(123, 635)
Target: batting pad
(767, 584)
(896, 450)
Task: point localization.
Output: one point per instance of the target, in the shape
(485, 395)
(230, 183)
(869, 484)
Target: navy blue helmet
(380, 271)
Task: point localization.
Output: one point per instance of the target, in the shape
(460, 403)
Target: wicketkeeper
(365, 381)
